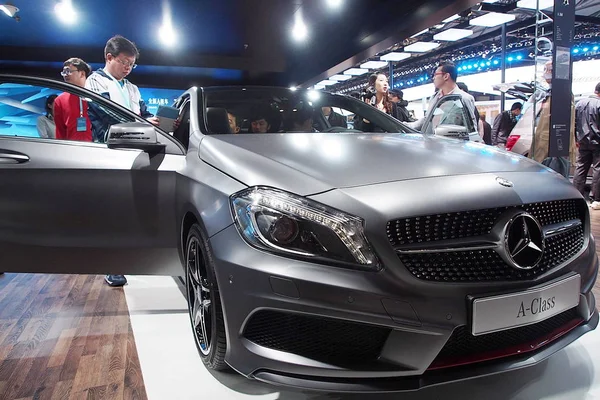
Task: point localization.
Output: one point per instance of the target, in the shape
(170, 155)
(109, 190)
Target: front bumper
(314, 300)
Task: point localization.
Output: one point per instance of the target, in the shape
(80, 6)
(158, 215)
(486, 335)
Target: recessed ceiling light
(356, 71)
(326, 82)
(532, 4)
(492, 19)
(167, 34)
(452, 18)
(395, 56)
(340, 77)
(453, 34)
(421, 47)
(373, 64)
(420, 33)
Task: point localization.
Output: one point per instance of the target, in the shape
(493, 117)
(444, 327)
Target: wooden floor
(69, 337)
(66, 337)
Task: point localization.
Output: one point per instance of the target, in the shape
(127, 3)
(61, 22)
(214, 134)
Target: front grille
(483, 265)
(460, 225)
(327, 340)
(486, 265)
(463, 345)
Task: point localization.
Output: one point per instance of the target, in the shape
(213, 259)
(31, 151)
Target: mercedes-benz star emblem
(504, 182)
(524, 241)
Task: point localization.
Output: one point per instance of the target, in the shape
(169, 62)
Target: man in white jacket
(120, 55)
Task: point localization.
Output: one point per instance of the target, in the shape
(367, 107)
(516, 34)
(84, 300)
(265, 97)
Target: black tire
(200, 280)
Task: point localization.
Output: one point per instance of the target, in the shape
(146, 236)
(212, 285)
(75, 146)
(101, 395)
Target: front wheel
(204, 303)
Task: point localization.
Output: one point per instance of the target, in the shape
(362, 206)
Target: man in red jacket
(71, 111)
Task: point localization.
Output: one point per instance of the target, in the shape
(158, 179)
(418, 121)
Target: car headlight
(291, 225)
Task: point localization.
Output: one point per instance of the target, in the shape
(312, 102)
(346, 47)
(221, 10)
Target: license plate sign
(498, 313)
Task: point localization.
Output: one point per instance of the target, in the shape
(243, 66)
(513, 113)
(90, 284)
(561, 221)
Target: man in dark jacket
(487, 129)
(587, 131)
(334, 118)
(402, 113)
(504, 124)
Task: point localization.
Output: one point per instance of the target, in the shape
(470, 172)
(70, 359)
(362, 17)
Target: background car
(335, 260)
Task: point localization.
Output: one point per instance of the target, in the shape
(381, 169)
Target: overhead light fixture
(373, 64)
(326, 82)
(532, 4)
(492, 19)
(9, 10)
(334, 3)
(293, 88)
(490, 1)
(340, 77)
(452, 18)
(395, 56)
(453, 34)
(167, 34)
(420, 33)
(356, 71)
(421, 47)
(299, 31)
(65, 12)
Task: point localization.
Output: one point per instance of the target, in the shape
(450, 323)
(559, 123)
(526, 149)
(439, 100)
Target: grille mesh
(463, 344)
(327, 340)
(459, 225)
(487, 265)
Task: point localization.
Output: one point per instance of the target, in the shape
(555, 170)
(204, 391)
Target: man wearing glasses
(120, 55)
(71, 111)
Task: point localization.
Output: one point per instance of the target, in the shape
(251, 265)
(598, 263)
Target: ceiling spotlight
(65, 12)
(299, 31)
(9, 10)
(167, 34)
(334, 3)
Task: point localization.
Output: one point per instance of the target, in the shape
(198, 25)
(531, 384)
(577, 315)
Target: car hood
(308, 163)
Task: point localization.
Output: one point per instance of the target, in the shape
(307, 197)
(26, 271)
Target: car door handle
(10, 157)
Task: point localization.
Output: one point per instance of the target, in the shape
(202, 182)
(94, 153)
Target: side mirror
(134, 135)
(452, 131)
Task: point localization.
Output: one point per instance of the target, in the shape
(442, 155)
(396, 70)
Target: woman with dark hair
(45, 123)
(376, 95)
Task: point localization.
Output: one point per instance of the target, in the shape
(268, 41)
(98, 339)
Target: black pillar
(503, 67)
(562, 78)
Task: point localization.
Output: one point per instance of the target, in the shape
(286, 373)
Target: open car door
(450, 118)
(82, 207)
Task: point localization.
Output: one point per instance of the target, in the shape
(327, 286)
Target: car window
(273, 110)
(28, 111)
(448, 117)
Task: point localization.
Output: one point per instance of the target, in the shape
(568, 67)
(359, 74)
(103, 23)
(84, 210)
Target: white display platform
(172, 368)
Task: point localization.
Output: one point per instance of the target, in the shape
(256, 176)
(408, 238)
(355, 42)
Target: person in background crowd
(397, 97)
(487, 129)
(541, 141)
(444, 81)
(45, 123)
(259, 124)
(587, 131)
(334, 118)
(71, 111)
(120, 55)
(376, 94)
(233, 125)
(504, 124)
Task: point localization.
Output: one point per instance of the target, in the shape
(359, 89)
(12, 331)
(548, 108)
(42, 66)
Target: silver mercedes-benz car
(356, 257)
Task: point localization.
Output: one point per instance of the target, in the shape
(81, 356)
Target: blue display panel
(159, 97)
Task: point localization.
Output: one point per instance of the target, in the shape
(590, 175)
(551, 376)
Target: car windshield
(280, 110)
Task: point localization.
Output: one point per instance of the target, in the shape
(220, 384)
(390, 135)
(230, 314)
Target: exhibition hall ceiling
(206, 42)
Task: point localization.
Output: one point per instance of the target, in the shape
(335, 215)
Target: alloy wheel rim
(200, 304)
